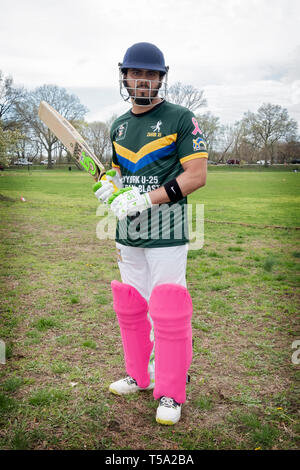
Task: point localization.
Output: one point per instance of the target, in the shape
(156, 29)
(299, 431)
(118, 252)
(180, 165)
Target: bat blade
(71, 139)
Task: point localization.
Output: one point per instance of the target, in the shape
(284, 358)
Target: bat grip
(102, 173)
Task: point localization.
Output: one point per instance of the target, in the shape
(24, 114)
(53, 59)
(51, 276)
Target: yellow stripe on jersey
(114, 165)
(194, 156)
(134, 157)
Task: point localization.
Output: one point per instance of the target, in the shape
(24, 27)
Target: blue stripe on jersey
(147, 159)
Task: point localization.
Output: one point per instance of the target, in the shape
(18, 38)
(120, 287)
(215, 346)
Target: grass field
(62, 339)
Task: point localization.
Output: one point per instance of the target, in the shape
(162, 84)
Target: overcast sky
(241, 52)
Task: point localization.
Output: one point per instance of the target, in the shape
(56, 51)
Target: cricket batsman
(159, 157)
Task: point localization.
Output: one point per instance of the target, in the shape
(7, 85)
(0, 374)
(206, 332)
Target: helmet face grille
(151, 92)
(145, 56)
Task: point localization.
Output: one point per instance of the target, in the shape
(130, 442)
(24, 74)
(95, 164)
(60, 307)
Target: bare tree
(230, 139)
(226, 141)
(27, 146)
(186, 95)
(67, 105)
(247, 151)
(109, 122)
(288, 151)
(97, 136)
(210, 126)
(268, 126)
(9, 98)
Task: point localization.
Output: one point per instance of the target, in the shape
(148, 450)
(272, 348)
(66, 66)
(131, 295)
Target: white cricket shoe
(168, 411)
(127, 385)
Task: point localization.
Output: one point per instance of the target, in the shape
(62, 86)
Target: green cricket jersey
(149, 149)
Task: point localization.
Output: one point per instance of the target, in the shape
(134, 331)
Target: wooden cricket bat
(72, 140)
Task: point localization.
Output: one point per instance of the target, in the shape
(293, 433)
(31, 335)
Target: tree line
(268, 135)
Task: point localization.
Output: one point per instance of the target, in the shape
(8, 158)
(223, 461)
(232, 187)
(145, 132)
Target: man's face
(142, 85)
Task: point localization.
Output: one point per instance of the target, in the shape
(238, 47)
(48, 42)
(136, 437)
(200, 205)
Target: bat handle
(101, 174)
(114, 178)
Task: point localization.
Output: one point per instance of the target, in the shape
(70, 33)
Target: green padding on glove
(111, 172)
(97, 186)
(121, 191)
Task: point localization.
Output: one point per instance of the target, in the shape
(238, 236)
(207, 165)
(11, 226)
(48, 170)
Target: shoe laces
(130, 380)
(168, 402)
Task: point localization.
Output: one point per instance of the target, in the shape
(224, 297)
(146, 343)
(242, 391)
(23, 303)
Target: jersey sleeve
(190, 141)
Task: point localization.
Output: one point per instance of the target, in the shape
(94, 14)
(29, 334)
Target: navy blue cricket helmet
(144, 55)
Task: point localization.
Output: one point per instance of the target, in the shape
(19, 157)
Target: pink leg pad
(131, 309)
(171, 309)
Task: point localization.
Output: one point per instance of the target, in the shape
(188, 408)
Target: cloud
(102, 102)
(232, 48)
(230, 102)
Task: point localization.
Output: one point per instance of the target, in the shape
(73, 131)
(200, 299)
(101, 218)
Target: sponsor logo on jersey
(120, 132)
(155, 130)
(198, 144)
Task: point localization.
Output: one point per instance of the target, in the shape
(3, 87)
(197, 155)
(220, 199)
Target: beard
(142, 100)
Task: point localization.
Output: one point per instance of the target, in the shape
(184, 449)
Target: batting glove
(109, 183)
(129, 201)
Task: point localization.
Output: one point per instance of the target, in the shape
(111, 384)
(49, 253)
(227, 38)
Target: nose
(143, 82)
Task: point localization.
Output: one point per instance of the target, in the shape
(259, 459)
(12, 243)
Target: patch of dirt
(6, 198)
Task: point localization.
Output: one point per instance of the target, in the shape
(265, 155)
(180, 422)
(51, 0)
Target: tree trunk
(49, 157)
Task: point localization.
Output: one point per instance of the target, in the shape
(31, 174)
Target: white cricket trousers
(145, 268)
